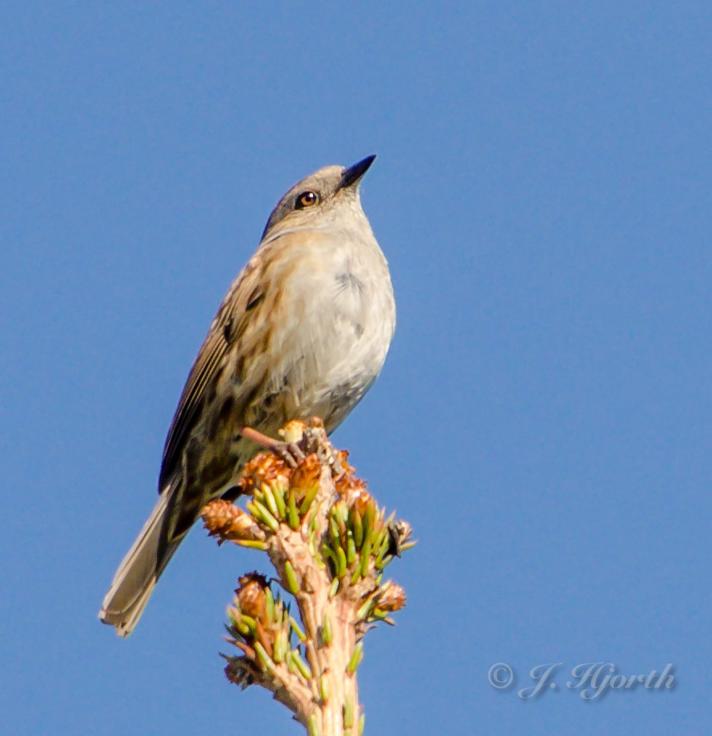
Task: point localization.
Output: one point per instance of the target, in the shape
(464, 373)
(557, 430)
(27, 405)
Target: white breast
(342, 291)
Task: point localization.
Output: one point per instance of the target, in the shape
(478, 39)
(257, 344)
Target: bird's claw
(290, 452)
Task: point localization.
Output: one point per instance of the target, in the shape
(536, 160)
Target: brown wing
(242, 296)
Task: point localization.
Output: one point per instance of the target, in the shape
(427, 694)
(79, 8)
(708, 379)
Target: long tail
(138, 572)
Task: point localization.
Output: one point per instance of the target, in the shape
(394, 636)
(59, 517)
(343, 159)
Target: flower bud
(391, 597)
(229, 522)
(251, 594)
(265, 468)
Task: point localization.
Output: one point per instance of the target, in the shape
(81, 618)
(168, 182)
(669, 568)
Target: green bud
(350, 549)
(262, 514)
(237, 622)
(384, 542)
(365, 556)
(300, 664)
(269, 603)
(278, 493)
(279, 650)
(326, 635)
(243, 629)
(267, 517)
(356, 526)
(341, 513)
(312, 725)
(278, 612)
(369, 518)
(297, 629)
(292, 584)
(328, 554)
(348, 714)
(340, 561)
(381, 549)
(355, 660)
(334, 532)
(252, 544)
(248, 621)
(269, 500)
(308, 499)
(265, 660)
(292, 513)
(363, 611)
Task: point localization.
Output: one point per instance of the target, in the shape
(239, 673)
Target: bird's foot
(291, 452)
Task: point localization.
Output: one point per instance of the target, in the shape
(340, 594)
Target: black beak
(355, 172)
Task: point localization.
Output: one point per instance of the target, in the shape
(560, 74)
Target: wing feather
(224, 330)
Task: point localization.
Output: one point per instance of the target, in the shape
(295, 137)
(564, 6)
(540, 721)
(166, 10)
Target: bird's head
(319, 199)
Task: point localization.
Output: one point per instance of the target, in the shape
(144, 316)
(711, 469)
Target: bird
(303, 331)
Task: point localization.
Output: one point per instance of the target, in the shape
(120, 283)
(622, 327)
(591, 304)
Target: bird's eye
(307, 199)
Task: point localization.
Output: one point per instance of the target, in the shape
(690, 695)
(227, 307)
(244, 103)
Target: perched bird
(303, 331)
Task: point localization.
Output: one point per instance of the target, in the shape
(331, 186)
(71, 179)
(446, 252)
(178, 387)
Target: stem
(328, 662)
(328, 548)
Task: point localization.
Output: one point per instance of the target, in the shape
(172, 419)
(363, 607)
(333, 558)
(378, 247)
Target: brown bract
(263, 468)
(251, 594)
(391, 597)
(306, 475)
(228, 522)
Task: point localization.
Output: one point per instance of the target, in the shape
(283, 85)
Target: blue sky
(543, 194)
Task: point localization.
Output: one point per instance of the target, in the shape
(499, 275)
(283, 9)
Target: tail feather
(138, 572)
